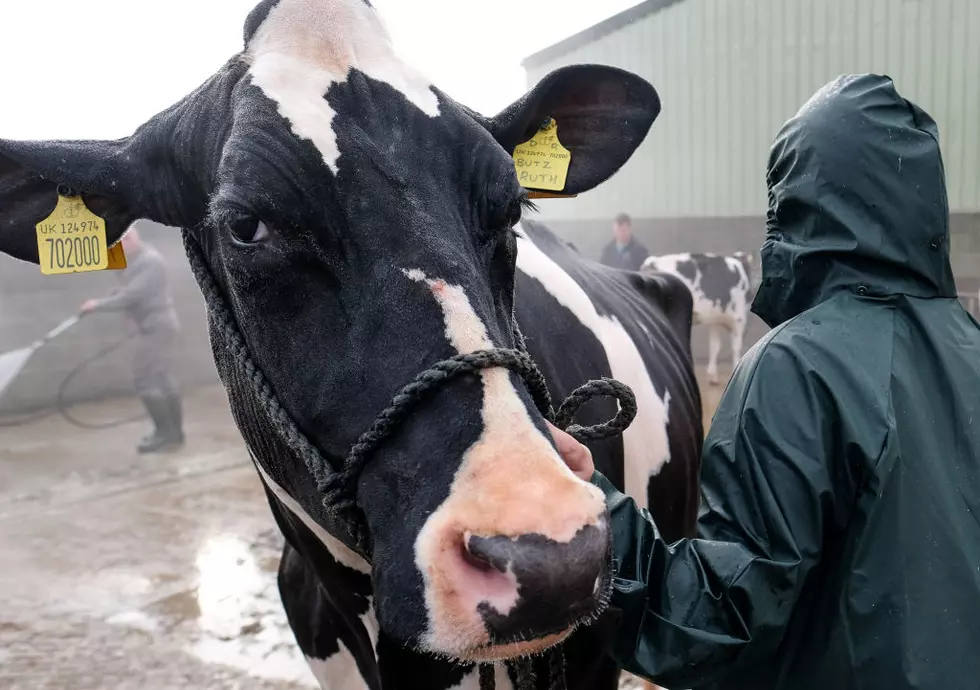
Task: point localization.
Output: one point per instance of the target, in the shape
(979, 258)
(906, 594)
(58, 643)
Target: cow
(722, 290)
(350, 226)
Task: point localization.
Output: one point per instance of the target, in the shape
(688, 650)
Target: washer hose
(62, 407)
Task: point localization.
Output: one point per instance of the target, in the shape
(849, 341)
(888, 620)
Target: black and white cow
(722, 290)
(354, 226)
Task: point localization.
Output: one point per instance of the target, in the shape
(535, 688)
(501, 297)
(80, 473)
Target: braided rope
(223, 320)
(525, 673)
(486, 674)
(581, 395)
(556, 670)
(338, 487)
(342, 486)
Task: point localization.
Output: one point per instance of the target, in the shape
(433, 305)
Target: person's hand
(576, 456)
(89, 306)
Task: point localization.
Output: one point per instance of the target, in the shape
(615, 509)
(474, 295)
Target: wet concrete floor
(152, 572)
(122, 571)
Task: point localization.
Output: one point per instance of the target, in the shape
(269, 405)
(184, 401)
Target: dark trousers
(153, 364)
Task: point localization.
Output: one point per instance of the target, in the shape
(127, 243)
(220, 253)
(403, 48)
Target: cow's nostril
(474, 557)
(485, 554)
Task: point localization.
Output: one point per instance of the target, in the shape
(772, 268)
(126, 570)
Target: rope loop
(593, 389)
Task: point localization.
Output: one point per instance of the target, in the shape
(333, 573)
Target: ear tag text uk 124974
(73, 240)
(542, 162)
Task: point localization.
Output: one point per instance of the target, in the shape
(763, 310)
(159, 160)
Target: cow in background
(722, 290)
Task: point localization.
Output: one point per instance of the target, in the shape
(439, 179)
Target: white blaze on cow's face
(304, 47)
(517, 524)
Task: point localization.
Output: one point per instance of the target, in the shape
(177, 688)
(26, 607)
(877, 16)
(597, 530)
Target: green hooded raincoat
(840, 525)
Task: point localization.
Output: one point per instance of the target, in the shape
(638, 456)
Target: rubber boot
(176, 418)
(161, 414)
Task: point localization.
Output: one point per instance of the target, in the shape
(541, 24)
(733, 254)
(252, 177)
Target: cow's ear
(603, 114)
(32, 173)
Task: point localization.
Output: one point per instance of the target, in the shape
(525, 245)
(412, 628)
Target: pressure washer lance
(12, 363)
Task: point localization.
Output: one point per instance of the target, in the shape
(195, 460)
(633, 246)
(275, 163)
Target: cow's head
(360, 226)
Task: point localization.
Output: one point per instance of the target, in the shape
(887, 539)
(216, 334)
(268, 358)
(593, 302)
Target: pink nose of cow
(532, 586)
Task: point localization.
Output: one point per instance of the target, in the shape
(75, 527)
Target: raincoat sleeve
(147, 283)
(698, 609)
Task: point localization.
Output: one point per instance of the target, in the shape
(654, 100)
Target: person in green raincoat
(839, 534)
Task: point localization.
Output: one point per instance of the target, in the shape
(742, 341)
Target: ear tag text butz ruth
(542, 163)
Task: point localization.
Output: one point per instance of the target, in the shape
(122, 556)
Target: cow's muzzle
(555, 585)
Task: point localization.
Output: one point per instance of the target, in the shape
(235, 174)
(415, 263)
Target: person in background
(624, 251)
(839, 531)
(144, 297)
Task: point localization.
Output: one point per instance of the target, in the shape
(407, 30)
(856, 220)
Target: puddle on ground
(233, 616)
(173, 610)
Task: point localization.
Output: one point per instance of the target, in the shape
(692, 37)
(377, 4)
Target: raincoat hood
(857, 201)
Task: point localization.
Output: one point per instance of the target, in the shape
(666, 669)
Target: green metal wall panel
(730, 72)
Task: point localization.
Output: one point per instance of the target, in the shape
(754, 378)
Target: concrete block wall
(31, 304)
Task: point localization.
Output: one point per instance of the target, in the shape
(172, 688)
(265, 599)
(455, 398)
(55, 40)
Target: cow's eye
(523, 203)
(250, 231)
(514, 212)
(510, 216)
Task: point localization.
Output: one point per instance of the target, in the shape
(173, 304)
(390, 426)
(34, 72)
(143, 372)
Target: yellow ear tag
(542, 162)
(72, 239)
